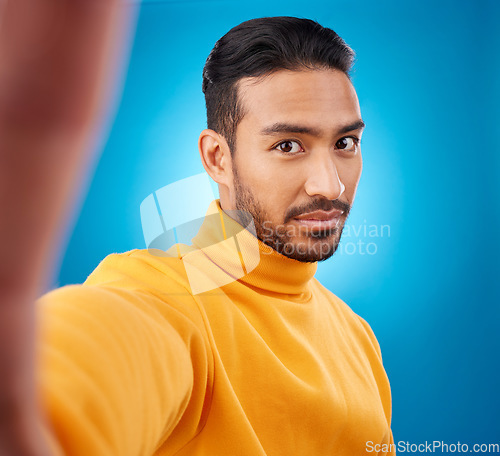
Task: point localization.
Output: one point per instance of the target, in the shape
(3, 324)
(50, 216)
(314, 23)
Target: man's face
(297, 159)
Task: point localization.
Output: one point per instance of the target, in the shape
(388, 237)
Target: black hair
(259, 47)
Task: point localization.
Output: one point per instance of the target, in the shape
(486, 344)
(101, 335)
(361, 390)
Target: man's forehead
(308, 98)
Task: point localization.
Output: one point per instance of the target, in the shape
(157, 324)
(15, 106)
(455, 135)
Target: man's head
(283, 131)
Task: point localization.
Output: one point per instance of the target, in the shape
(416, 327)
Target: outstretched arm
(58, 59)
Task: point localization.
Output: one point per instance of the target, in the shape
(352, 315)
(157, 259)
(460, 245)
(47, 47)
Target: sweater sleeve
(115, 375)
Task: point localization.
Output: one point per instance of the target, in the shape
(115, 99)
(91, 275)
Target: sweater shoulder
(140, 269)
(148, 273)
(149, 284)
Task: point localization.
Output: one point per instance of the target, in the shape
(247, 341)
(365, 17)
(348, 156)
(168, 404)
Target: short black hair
(259, 47)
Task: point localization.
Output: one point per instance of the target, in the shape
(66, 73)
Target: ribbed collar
(241, 255)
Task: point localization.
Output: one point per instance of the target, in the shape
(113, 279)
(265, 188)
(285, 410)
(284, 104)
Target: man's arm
(56, 63)
(118, 369)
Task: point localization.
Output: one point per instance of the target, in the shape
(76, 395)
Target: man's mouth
(320, 220)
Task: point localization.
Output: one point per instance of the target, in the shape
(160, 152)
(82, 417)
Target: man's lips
(320, 220)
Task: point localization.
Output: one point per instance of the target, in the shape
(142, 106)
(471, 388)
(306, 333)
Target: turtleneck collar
(241, 256)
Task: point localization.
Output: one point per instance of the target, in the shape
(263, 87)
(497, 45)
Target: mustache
(318, 205)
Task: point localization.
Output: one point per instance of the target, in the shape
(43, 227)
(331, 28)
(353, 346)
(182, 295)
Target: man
(134, 362)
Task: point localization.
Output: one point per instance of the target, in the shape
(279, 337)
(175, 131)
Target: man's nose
(323, 179)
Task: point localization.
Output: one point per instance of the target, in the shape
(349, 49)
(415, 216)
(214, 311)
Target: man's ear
(216, 157)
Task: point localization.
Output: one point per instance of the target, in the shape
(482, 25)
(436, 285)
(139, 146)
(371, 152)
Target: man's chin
(309, 251)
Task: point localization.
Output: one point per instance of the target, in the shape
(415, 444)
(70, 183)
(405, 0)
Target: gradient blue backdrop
(427, 79)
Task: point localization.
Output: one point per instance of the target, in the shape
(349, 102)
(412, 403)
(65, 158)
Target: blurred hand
(58, 59)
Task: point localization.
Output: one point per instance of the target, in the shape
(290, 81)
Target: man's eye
(347, 143)
(289, 147)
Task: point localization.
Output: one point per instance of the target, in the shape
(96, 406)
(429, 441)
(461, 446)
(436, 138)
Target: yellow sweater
(134, 362)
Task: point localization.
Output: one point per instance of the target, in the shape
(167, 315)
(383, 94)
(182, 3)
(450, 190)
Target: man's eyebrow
(290, 128)
(281, 127)
(357, 125)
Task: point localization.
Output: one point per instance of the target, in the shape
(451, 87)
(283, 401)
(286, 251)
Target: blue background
(427, 79)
